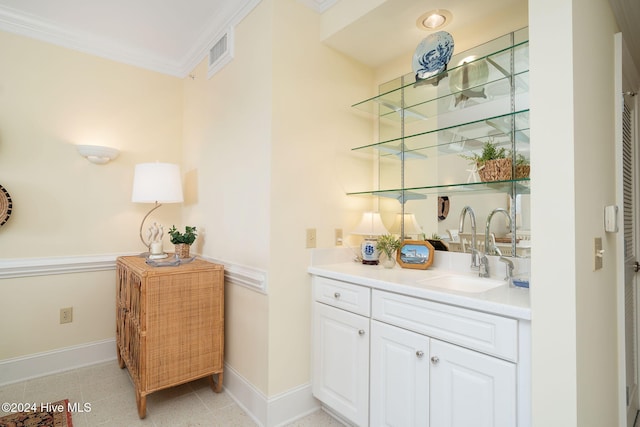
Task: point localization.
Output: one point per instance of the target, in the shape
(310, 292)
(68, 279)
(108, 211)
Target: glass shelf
(416, 193)
(431, 131)
(466, 138)
(471, 82)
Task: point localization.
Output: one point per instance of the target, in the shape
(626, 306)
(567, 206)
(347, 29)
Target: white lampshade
(371, 225)
(157, 182)
(411, 226)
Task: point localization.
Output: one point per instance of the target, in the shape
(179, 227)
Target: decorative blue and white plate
(432, 55)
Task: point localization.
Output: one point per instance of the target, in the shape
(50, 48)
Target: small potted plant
(495, 164)
(388, 244)
(183, 241)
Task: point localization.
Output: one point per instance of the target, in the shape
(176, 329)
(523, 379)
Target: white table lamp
(156, 183)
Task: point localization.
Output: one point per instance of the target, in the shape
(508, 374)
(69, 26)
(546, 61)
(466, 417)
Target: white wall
(573, 307)
(266, 147)
(51, 99)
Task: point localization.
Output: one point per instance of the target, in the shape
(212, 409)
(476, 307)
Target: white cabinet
(341, 361)
(399, 377)
(468, 388)
(386, 359)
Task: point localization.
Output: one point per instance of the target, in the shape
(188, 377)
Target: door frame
(626, 77)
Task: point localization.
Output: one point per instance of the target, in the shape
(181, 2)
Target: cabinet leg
(120, 361)
(217, 384)
(141, 401)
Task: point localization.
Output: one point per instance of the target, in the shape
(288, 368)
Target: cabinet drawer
(484, 332)
(346, 296)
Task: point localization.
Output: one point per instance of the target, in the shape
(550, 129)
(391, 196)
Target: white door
(630, 287)
(399, 377)
(627, 82)
(470, 388)
(341, 362)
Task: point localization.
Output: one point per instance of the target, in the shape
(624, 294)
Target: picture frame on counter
(417, 254)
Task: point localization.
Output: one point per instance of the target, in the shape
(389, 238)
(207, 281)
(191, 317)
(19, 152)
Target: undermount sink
(462, 283)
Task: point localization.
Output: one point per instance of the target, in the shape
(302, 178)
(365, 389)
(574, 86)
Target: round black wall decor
(6, 206)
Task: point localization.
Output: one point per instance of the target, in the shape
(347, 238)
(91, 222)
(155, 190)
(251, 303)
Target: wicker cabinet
(169, 324)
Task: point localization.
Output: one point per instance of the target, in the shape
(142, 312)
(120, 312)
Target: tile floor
(110, 393)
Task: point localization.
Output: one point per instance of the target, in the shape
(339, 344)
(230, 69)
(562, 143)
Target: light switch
(311, 238)
(598, 253)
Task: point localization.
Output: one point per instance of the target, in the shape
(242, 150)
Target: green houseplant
(388, 244)
(495, 163)
(182, 241)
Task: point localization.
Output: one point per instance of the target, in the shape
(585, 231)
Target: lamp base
(158, 256)
(370, 255)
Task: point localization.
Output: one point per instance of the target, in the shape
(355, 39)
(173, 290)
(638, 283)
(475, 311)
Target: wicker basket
(182, 250)
(500, 170)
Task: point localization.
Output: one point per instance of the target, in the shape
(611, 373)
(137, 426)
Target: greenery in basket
(188, 237)
(521, 160)
(388, 244)
(490, 151)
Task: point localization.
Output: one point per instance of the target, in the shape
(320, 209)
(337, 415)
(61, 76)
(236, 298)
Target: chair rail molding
(236, 274)
(28, 267)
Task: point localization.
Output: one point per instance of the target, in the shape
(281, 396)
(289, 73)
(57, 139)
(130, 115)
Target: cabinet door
(341, 362)
(399, 377)
(470, 388)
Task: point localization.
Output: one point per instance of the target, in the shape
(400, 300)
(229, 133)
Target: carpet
(54, 414)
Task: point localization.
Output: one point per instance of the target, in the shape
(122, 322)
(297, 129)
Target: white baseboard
(269, 412)
(51, 362)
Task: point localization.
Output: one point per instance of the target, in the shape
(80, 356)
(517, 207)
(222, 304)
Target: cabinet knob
(336, 295)
(419, 353)
(435, 360)
(361, 332)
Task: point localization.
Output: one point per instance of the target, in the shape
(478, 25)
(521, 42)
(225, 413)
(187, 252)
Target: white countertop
(503, 300)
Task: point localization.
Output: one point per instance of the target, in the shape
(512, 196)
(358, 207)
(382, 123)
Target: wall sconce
(156, 183)
(371, 227)
(98, 154)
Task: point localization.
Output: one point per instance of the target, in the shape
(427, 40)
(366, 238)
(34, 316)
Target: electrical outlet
(338, 236)
(311, 238)
(66, 315)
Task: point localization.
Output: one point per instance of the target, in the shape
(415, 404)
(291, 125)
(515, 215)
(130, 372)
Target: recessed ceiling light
(434, 19)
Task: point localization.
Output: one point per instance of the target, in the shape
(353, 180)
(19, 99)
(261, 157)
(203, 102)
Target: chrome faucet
(490, 249)
(474, 247)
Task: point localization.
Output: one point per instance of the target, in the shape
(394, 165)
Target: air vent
(221, 52)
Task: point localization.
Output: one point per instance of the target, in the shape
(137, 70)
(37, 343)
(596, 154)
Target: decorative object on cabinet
(371, 227)
(388, 244)
(156, 183)
(6, 206)
(154, 237)
(183, 241)
(98, 154)
(169, 324)
(416, 254)
(432, 55)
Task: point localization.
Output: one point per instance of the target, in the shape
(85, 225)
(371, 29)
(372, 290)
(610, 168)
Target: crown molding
(207, 39)
(14, 21)
(319, 5)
